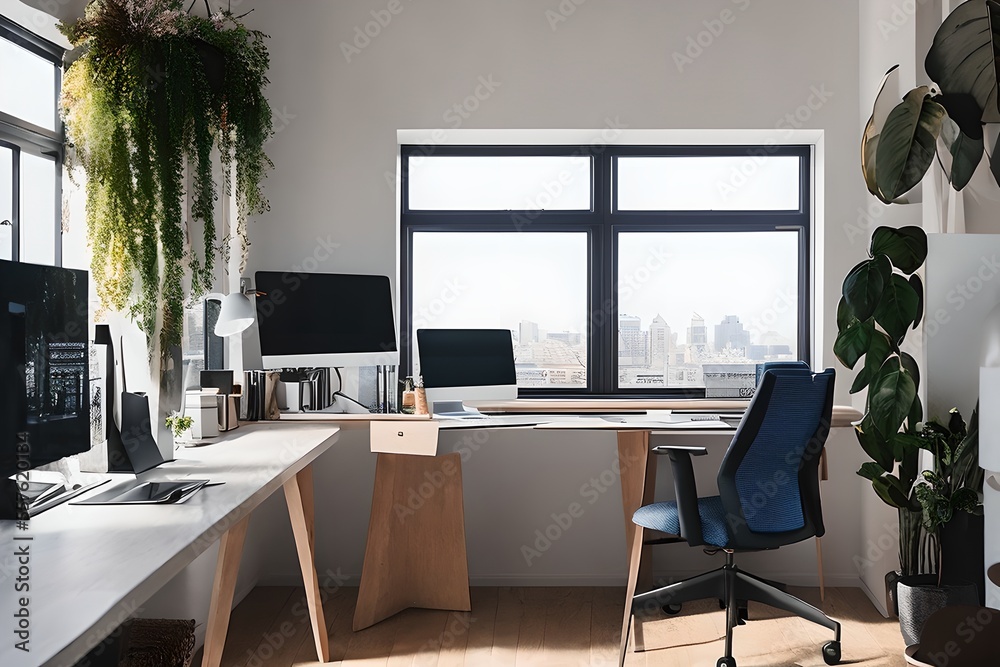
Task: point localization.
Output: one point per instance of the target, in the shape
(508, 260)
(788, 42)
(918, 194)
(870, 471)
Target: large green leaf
(885, 100)
(961, 60)
(918, 287)
(890, 397)
(907, 143)
(906, 247)
(898, 308)
(878, 351)
(961, 138)
(871, 471)
(852, 343)
(845, 316)
(875, 446)
(910, 364)
(863, 285)
(890, 493)
(964, 154)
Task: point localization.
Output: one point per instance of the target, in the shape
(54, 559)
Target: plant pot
(918, 599)
(963, 553)
(891, 581)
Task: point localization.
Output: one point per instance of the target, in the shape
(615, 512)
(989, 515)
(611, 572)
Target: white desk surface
(91, 567)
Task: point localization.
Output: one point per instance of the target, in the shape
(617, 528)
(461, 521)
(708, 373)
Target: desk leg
(638, 476)
(299, 498)
(226, 570)
(415, 555)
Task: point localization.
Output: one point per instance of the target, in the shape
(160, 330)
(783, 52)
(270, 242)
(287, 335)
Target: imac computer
(44, 374)
(466, 365)
(325, 320)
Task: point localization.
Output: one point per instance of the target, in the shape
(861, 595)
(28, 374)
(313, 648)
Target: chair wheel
(726, 662)
(831, 653)
(671, 609)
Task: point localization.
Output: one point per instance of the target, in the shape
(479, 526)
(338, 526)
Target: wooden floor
(510, 627)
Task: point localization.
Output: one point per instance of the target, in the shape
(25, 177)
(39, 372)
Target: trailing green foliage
(883, 300)
(155, 91)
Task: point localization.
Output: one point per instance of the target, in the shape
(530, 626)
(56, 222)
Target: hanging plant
(155, 90)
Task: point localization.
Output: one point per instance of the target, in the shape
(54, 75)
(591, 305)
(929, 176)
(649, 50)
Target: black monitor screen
(324, 313)
(466, 357)
(44, 365)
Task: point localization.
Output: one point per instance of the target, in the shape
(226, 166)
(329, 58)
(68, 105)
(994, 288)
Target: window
(624, 270)
(31, 147)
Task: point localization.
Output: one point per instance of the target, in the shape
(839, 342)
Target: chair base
(732, 586)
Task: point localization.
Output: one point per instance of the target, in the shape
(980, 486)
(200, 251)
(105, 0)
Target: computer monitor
(44, 372)
(325, 320)
(466, 365)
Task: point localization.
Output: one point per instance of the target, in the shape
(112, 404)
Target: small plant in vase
(179, 425)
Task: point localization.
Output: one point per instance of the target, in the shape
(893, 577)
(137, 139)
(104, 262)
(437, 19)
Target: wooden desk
(429, 546)
(91, 567)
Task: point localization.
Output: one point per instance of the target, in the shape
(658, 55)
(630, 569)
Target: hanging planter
(154, 92)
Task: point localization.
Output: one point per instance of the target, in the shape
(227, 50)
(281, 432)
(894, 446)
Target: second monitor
(466, 365)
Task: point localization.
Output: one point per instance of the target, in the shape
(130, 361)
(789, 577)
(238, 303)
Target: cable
(340, 386)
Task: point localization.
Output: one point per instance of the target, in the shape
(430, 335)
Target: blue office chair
(768, 498)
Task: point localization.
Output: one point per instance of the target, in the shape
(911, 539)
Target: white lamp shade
(235, 315)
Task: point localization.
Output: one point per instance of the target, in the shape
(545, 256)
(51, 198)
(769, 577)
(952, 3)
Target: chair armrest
(693, 451)
(685, 489)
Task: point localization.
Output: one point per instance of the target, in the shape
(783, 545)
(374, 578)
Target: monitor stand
(454, 409)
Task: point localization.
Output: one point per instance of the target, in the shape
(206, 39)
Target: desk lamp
(237, 311)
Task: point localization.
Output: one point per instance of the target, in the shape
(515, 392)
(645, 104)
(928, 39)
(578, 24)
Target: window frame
(603, 224)
(21, 136)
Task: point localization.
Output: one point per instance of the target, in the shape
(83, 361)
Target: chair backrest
(769, 478)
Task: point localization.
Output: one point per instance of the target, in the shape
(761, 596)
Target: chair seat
(664, 518)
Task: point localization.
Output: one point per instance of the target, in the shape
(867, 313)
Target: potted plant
(950, 497)
(179, 424)
(883, 300)
(156, 93)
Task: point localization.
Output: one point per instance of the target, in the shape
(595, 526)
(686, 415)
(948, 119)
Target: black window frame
(603, 223)
(21, 136)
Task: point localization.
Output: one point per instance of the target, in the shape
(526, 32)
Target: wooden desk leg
(299, 498)
(415, 555)
(226, 570)
(638, 476)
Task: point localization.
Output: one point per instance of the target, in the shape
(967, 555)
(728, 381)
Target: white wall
(336, 143)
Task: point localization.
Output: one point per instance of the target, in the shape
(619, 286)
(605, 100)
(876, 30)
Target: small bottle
(421, 398)
(408, 404)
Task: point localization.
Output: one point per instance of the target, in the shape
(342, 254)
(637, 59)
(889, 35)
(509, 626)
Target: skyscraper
(730, 333)
(660, 343)
(633, 342)
(697, 337)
